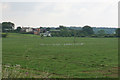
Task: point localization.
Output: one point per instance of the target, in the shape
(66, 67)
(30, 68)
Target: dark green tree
(18, 29)
(62, 27)
(48, 29)
(7, 26)
(41, 27)
(118, 32)
(87, 30)
(101, 33)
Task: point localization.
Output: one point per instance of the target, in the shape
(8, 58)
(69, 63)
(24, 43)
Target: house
(41, 32)
(26, 29)
(36, 31)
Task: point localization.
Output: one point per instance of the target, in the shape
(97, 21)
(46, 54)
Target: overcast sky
(96, 13)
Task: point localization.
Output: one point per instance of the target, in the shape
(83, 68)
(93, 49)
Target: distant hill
(107, 30)
(96, 29)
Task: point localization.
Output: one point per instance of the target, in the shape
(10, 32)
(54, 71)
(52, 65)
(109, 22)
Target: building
(42, 32)
(26, 29)
(36, 31)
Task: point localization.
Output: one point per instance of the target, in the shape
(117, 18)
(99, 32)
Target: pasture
(61, 57)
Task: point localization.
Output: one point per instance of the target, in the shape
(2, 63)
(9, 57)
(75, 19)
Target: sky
(52, 13)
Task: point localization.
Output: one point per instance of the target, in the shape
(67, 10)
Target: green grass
(75, 61)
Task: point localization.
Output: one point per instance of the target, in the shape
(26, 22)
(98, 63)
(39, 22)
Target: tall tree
(87, 30)
(48, 29)
(41, 27)
(118, 32)
(101, 32)
(62, 27)
(7, 26)
(18, 29)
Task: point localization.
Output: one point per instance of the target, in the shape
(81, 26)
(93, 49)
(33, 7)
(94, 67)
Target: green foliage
(62, 27)
(18, 29)
(109, 35)
(48, 29)
(101, 33)
(7, 26)
(87, 30)
(118, 32)
(64, 32)
(26, 32)
(4, 35)
(94, 35)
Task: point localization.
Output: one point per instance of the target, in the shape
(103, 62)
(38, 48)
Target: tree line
(66, 32)
(63, 31)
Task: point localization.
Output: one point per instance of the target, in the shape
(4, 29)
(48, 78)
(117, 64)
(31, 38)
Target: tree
(48, 29)
(62, 27)
(41, 27)
(118, 32)
(101, 33)
(87, 30)
(18, 29)
(4, 35)
(7, 26)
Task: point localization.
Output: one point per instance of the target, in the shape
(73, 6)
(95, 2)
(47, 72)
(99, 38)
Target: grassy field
(59, 57)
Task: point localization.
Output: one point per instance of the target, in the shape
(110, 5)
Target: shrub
(26, 32)
(4, 34)
(94, 36)
(82, 36)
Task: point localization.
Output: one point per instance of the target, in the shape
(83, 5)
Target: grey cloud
(22, 6)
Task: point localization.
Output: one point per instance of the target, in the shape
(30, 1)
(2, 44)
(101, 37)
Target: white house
(26, 29)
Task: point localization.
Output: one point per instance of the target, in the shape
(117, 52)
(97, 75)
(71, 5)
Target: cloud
(79, 13)
(58, 0)
(0, 12)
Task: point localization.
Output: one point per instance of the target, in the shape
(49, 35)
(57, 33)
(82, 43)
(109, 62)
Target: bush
(82, 36)
(94, 36)
(26, 32)
(4, 34)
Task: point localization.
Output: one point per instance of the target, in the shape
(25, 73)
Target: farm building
(37, 31)
(26, 29)
(42, 32)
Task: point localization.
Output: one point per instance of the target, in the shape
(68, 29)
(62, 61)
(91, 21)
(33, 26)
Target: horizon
(63, 25)
(67, 26)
